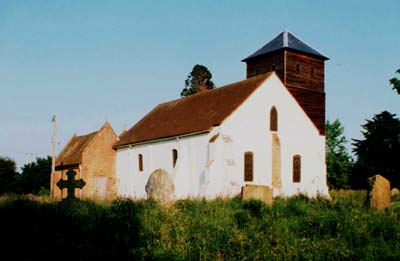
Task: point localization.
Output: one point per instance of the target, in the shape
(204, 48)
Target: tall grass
(222, 229)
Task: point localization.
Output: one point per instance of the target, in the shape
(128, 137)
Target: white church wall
(249, 125)
(187, 173)
(211, 169)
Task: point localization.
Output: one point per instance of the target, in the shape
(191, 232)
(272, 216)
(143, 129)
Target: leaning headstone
(160, 186)
(379, 193)
(263, 193)
(394, 192)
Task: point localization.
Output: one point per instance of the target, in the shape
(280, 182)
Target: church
(268, 130)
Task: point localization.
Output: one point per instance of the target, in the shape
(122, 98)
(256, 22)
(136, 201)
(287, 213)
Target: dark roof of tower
(286, 40)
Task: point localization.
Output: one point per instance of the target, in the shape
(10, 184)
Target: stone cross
(70, 184)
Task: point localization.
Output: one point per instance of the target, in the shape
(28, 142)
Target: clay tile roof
(72, 152)
(195, 113)
(285, 40)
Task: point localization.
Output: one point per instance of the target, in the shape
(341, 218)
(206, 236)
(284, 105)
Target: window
(257, 72)
(273, 68)
(248, 166)
(296, 168)
(273, 119)
(298, 68)
(140, 159)
(313, 72)
(174, 157)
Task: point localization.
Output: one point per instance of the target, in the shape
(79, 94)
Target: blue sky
(91, 61)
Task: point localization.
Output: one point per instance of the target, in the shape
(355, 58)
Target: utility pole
(53, 156)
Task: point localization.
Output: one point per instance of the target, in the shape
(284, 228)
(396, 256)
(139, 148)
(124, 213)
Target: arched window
(273, 119)
(140, 162)
(174, 157)
(248, 166)
(296, 168)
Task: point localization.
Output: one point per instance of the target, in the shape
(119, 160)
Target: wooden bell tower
(300, 67)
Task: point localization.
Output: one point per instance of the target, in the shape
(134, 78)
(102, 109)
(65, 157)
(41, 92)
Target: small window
(273, 68)
(296, 168)
(273, 119)
(298, 68)
(312, 72)
(174, 157)
(248, 166)
(140, 162)
(257, 72)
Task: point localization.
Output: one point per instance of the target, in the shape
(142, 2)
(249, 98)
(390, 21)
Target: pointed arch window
(140, 162)
(174, 157)
(248, 166)
(296, 168)
(273, 119)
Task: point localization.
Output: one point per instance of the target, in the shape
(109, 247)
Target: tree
(35, 176)
(379, 151)
(395, 83)
(197, 81)
(8, 175)
(338, 160)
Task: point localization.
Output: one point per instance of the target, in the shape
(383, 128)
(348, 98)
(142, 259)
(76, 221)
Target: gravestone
(394, 192)
(379, 196)
(160, 186)
(263, 193)
(70, 184)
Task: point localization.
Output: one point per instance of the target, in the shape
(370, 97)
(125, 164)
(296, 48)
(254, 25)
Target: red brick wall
(98, 160)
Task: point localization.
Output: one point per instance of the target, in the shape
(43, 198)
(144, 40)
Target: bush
(292, 228)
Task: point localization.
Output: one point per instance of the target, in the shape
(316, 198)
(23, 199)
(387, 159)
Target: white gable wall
(248, 127)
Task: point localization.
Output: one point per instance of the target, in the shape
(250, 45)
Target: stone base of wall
(263, 193)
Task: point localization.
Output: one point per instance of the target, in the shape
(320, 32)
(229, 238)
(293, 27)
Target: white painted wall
(209, 170)
(249, 129)
(192, 159)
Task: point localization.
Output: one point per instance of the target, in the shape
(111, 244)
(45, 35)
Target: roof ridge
(196, 113)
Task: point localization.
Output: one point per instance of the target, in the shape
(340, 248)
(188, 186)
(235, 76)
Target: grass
(222, 229)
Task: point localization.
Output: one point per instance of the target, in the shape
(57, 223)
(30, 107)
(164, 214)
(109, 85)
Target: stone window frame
(273, 119)
(140, 162)
(174, 157)
(248, 166)
(297, 168)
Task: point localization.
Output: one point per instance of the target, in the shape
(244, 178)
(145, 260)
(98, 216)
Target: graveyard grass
(223, 229)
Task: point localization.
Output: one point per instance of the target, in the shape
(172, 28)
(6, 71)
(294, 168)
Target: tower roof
(285, 40)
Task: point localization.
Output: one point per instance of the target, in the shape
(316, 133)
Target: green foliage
(35, 177)
(223, 229)
(8, 175)
(197, 81)
(378, 152)
(395, 83)
(338, 160)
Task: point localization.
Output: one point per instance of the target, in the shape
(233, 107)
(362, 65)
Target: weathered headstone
(394, 192)
(70, 184)
(379, 193)
(160, 186)
(263, 193)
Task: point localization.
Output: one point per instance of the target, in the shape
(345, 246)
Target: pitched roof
(72, 152)
(195, 113)
(285, 40)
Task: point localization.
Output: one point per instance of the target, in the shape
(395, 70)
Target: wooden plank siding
(306, 84)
